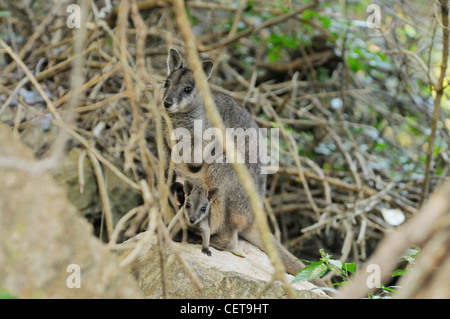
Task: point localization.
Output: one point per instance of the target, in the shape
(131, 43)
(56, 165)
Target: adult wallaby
(195, 212)
(230, 214)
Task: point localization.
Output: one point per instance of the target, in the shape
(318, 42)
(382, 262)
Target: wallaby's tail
(291, 263)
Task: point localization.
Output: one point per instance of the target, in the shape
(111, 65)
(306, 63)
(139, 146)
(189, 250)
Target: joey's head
(198, 202)
(180, 93)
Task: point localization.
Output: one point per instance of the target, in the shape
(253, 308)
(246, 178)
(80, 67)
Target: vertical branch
(161, 261)
(146, 78)
(122, 20)
(439, 89)
(213, 115)
(123, 43)
(103, 194)
(141, 32)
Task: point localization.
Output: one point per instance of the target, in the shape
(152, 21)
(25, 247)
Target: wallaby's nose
(192, 220)
(168, 103)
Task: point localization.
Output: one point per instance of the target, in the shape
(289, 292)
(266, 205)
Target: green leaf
(387, 289)
(381, 144)
(4, 14)
(274, 55)
(250, 6)
(410, 254)
(309, 14)
(6, 295)
(325, 22)
(354, 64)
(341, 283)
(399, 272)
(350, 267)
(314, 270)
(336, 263)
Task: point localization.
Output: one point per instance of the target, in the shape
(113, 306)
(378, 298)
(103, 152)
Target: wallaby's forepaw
(206, 251)
(234, 252)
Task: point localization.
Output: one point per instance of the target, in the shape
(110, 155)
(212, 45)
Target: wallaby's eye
(188, 89)
(203, 209)
(188, 205)
(166, 84)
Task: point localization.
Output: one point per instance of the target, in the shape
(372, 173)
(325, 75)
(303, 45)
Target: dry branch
(414, 232)
(250, 30)
(439, 89)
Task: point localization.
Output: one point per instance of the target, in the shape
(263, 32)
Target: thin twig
(32, 78)
(103, 193)
(439, 89)
(250, 30)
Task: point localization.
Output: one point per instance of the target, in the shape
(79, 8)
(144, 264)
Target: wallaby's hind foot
(227, 240)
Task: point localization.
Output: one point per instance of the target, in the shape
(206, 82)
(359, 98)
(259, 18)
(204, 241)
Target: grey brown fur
(230, 214)
(195, 212)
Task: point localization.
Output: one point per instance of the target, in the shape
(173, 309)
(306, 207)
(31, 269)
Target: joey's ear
(174, 61)
(212, 193)
(188, 187)
(176, 187)
(207, 67)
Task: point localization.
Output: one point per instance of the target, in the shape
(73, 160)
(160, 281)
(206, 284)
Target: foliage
(4, 294)
(409, 257)
(320, 268)
(384, 292)
(317, 269)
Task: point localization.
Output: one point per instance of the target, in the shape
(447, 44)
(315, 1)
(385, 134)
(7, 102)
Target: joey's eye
(188, 89)
(166, 84)
(203, 209)
(188, 205)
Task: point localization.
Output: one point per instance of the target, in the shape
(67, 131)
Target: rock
(36, 138)
(7, 114)
(121, 196)
(41, 234)
(85, 199)
(223, 275)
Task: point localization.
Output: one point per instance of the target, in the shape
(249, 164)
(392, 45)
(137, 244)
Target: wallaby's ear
(207, 67)
(212, 193)
(174, 61)
(188, 187)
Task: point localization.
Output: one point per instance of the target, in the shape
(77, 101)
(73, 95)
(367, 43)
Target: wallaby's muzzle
(168, 103)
